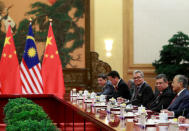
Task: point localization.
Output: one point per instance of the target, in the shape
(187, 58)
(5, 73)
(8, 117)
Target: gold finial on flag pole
(50, 20)
(9, 24)
(30, 20)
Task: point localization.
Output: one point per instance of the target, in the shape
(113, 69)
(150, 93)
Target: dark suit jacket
(108, 89)
(162, 101)
(145, 95)
(180, 103)
(122, 91)
(183, 112)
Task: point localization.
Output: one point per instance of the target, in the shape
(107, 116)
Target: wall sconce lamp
(108, 47)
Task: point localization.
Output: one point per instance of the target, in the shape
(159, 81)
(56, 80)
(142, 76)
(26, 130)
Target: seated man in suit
(164, 95)
(107, 87)
(181, 101)
(143, 93)
(121, 88)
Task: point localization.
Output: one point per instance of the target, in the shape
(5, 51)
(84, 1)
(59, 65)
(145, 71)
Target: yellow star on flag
(31, 52)
(4, 55)
(49, 41)
(7, 41)
(10, 56)
(52, 56)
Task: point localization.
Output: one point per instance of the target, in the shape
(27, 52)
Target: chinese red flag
(52, 74)
(10, 69)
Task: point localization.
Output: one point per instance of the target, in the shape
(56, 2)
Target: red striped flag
(31, 68)
(9, 67)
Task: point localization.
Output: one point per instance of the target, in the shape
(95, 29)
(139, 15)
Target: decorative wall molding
(86, 78)
(128, 43)
(98, 67)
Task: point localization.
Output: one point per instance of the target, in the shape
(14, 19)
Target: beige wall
(155, 22)
(107, 24)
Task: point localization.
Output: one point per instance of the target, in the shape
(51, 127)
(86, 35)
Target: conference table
(101, 122)
(71, 114)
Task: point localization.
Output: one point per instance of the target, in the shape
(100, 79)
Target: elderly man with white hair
(180, 104)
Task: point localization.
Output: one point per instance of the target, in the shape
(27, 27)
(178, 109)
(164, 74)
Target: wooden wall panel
(128, 42)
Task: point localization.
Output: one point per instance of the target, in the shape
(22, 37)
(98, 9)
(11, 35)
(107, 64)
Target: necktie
(158, 96)
(173, 99)
(116, 87)
(136, 93)
(172, 102)
(156, 99)
(170, 105)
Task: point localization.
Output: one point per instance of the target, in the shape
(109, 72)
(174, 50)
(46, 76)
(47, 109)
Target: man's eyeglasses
(136, 78)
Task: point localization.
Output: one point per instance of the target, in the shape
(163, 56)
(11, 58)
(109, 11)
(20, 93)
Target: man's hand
(120, 100)
(181, 119)
(170, 113)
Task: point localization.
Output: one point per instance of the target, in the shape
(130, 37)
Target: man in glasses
(143, 93)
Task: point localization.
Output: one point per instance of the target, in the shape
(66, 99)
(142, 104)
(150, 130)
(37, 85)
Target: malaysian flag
(31, 67)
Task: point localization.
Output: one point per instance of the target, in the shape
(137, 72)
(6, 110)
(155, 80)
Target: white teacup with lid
(163, 117)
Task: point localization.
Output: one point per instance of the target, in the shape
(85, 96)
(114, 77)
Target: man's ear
(181, 84)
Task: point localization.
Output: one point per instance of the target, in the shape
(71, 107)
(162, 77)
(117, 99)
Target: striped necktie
(173, 99)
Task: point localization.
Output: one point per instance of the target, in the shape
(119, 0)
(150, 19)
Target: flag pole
(9, 22)
(30, 21)
(50, 20)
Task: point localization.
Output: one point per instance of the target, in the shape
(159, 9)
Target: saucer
(80, 98)
(163, 122)
(146, 124)
(100, 105)
(184, 125)
(88, 101)
(73, 95)
(115, 112)
(129, 115)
